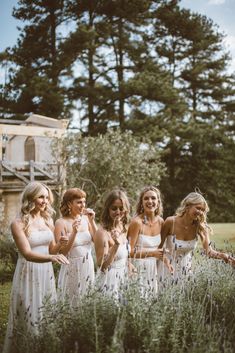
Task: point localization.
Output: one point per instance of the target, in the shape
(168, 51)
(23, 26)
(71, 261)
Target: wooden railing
(30, 171)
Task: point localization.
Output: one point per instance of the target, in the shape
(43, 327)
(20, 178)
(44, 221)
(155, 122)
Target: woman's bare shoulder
(60, 221)
(169, 221)
(17, 222)
(136, 221)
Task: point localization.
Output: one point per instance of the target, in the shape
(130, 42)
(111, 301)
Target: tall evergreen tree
(192, 48)
(34, 83)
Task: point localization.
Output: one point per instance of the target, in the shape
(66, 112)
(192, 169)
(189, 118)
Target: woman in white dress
(78, 223)
(180, 234)
(111, 244)
(144, 235)
(33, 281)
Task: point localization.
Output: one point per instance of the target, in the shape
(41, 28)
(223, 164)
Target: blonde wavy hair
(139, 206)
(194, 198)
(31, 192)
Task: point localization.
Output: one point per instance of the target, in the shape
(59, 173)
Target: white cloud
(216, 2)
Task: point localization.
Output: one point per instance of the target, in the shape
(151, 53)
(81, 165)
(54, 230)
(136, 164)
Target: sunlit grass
(223, 236)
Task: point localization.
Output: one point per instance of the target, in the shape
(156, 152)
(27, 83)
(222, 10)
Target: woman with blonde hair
(144, 235)
(180, 234)
(33, 280)
(111, 243)
(78, 224)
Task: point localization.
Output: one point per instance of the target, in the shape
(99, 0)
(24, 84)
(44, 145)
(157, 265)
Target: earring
(31, 205)
(142, 209)
(69, 210)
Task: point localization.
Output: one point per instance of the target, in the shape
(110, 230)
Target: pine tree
(34, 78)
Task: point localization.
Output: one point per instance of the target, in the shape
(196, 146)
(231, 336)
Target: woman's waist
(42, 250)
(144, 259)
(119, 263)
(78, 251)
(181, 253)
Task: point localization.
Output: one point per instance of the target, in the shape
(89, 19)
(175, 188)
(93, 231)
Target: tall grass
(193, 316)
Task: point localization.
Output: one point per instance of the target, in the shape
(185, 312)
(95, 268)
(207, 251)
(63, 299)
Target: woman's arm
(133, 233)
(56, 245)
(61, 236)
(206, 243)
(105, 252)
(166, 230)
(91, 222)
(24, 247)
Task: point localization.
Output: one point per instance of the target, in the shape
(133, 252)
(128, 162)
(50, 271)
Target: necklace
(186, 227)
(146, 221)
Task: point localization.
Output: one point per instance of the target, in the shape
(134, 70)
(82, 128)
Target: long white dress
(111, 281)
(33, 284)
(76, 278)
(180, 254)
(147, 267)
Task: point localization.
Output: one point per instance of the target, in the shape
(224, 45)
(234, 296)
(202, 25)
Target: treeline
(150, 67)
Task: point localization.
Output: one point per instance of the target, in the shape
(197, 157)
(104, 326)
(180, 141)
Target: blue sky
(220, 11)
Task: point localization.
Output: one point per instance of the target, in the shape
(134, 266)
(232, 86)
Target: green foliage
(8, 258)
(4, 308)
(192, 316)
(116, 159)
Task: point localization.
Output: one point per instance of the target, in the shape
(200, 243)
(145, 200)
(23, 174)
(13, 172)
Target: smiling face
(116, 210)
(41, 201)
(77, 206)
(150, 201)
(197, 211)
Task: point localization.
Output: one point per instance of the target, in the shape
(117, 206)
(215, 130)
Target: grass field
(223, 237)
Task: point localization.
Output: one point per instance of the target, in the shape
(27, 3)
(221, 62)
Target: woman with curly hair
(144, 235)
(78, 223)
(111, 243)
(180, 234)
(33, 281)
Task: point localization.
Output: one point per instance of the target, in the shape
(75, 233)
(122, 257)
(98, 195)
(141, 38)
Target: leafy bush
(98, 164)
(8, 258)
(194, 316)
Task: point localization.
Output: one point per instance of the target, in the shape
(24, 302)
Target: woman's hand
(76, 224)
(59, 258)
(228, 259)
(89, 213)
(63, 241)
(231, 260)
(116, 236)
(131, 269)
(168, 265)
(159, 254)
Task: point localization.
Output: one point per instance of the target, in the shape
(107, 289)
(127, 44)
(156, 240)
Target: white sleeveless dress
(111, 280)
(33, 284)
(76, 278)
(147, 268)
(180, 254)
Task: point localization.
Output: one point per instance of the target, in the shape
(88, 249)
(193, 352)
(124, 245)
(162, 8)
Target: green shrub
(101, 163)
(194, 316)
(8, 258)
